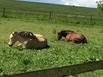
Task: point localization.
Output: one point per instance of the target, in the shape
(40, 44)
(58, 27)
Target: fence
(62, 17)
(14, 12)
(62, 71)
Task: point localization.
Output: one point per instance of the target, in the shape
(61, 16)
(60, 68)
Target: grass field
(60, 53)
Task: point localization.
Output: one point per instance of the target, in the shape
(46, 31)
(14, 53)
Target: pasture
(60, 53)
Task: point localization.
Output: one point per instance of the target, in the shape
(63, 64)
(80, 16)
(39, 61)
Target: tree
(100, 5)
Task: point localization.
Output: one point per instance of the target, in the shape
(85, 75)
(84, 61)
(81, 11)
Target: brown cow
(28, 40)
(72, 36)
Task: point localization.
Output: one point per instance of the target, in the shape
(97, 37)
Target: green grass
(60, 53)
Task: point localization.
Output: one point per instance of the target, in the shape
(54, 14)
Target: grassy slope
(60, 53)
(47, 7)
(60, 13)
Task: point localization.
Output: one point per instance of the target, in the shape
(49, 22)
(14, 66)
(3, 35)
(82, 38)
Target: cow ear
(14, 33)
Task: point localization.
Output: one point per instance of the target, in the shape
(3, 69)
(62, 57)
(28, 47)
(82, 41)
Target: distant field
(35, 17)
(14, 4)
(49, 12)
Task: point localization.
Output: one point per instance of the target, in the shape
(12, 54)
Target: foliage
(100, 5)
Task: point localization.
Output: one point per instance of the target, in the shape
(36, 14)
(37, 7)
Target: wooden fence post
(4, 12)
(63, 71)
(50, 15)
(91, 20)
